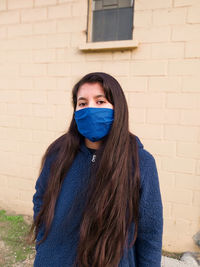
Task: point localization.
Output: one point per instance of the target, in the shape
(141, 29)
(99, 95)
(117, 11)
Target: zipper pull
(93, 158)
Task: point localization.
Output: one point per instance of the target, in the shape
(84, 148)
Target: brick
(43, 110)
(45, 2)
(164, 84)
(184, 67)
(22, 43)
(19, 109)
(71, 55)
(168, 51)
(3, 181)
(42, 136)
(147, 131)
(33, 15)
(44, 56)
(120, 68)
(60, 11)
(3, 35)
(63, 110)
(153, 34)
(152, 4)
(10, 17)
(9, 96)
(58, 125)
(36, 148)
(187, 212)
(23, 56)
(180, 133)
(93, 56)
(175, 195)
(14, 4)
(57, 97)
(16, 83)
(163, 116)
(33, 123)
(163, 148)
(3, 5)
(33, 69)
(59, 69)
(198, 168)
(149, 68)
(169, 16)
(188, 32)
(192, 49)
(18, 183)
(20, 135)
(81, 68)
(78, 38)
(186, 101)
(137, 115)
(3, 108)
(188, 149)
(65, 1)
(134, 84)
(184, 165)
(64, 83)
(58, 40)
(46, 83)
(79, 25)
(190, 117)
(166, 178)
(196, 198)
(33, 97)
(11, 193)
(142, 52)
(193, 14)
(187, 181)
(191, 84)
(9, 146)
(142, 18)
(9, 121)
(7, 69)
(146, 100)
(179, 3)
(45, 27)
(79, 9)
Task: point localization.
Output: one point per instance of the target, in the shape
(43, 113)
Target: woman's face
(92, 95)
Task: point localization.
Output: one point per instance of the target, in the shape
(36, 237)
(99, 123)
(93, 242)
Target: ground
(14, 251)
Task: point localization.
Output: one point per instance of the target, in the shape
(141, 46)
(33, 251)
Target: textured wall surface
(39, 63)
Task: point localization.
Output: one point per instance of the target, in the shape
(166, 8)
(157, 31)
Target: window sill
(109, 45)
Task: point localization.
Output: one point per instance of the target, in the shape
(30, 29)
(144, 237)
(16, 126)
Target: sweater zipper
(93, 158)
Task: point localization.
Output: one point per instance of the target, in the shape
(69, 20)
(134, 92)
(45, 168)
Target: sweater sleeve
(150, 229)
(40, 187)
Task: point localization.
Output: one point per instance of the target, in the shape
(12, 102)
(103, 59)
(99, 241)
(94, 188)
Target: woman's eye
(101, 101)
(81, 104)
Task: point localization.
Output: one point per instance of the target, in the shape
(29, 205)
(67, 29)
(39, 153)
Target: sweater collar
(84, 148)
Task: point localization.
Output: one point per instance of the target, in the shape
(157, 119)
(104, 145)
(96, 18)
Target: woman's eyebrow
(97, 96)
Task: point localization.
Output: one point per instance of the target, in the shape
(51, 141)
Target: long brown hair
(113, 193)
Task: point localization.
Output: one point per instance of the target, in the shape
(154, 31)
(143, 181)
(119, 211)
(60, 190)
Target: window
(110, 20)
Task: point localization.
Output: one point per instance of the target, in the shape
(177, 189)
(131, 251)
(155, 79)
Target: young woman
(97, 201)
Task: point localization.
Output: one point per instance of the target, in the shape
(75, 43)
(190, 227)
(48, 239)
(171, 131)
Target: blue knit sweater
(59, 249)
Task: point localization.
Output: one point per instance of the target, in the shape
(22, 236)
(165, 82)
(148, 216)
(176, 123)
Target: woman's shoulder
(146, 157)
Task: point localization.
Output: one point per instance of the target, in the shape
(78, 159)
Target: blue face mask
(94, 123)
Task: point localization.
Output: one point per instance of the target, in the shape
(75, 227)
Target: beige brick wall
(40, 62)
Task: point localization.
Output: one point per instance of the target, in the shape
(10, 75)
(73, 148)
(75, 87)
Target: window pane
(112, 24)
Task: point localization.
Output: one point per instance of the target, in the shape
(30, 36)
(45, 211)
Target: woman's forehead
(90, 90)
